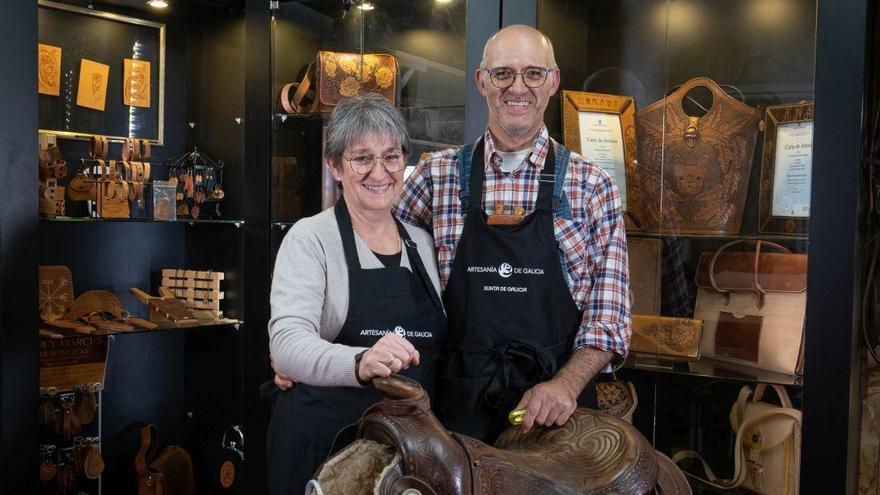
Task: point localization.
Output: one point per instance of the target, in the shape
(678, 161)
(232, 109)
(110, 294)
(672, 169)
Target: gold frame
(775, 115)
(130, 20)
(574, 102)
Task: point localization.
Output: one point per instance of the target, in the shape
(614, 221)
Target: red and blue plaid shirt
(592, 245)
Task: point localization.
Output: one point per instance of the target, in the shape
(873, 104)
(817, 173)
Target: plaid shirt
(592, 245)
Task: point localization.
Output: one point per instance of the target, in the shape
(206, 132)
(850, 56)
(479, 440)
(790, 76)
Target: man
(536, 310)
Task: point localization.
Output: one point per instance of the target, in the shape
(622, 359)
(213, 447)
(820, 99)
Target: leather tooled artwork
(699, 166)
(617, 398)
(56, 291)
(645, 258)
(661, 335)
(592, 453)
(342, 75)
(753, 306)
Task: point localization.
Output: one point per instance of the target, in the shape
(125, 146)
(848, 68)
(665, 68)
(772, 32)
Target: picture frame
(107, 39)
(601, 128)
(786, 169)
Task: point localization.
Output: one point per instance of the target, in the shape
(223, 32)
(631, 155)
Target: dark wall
(18, 225)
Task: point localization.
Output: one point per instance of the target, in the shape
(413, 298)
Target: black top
(389, 260)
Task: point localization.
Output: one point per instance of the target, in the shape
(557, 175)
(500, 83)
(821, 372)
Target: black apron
(512, 319)
(307, 418)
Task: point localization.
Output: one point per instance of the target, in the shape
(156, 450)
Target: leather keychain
(48, 465)
(80, 449)
(67, 474)
(48, 419)
(229, 468)
(67, 424)
(93, 464)
(85, 404)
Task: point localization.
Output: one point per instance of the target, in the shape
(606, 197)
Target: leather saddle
(593, 453)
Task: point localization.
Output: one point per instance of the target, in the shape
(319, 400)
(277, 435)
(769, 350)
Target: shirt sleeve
(297, 299)
(414, 206)
(607, 322)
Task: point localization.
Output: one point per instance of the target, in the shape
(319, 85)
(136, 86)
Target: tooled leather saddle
(593, 453)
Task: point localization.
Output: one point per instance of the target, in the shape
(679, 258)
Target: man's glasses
(533, 77)
(362, 164)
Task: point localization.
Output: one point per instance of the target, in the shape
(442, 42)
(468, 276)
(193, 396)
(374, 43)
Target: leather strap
(301, 91)
(285, 97)
(146, 451)
(146, 171)
(759, 291)
(147, 150)
(97, 147)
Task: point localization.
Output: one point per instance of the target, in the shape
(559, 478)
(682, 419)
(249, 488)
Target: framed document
(601, 128)
(786, 169)
(110, 80)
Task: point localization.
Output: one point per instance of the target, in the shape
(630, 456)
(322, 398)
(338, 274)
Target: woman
(355, 295)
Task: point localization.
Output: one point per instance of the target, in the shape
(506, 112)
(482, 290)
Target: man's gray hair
(546, 39)
(356, 117)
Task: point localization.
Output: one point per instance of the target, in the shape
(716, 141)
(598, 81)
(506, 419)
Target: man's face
(517, 112)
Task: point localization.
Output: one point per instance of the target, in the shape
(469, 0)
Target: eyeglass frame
(374, 160)
(520, 74)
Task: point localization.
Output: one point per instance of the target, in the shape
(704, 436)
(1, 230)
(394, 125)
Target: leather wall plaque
(92, 90)
(136, 83)
(694, 171)
(645, 258)
(49, 69)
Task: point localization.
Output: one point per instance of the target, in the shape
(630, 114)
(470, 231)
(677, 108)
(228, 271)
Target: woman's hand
(389, 354)
(283, 381)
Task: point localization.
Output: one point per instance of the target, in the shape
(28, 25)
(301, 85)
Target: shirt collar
(535, 157)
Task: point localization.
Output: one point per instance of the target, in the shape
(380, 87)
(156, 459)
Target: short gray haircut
(546, 39)
(356, 117)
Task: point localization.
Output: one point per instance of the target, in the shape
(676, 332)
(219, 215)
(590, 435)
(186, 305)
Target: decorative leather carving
(617, 398)
(675, 337)
(592, 453)
(704, 179)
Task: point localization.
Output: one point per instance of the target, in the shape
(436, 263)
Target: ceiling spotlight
(365, 6)
(158, 4)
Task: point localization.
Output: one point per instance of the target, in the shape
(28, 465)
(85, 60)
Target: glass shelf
(751, 237)
(709, 368)
(201, 325)
(237, 223)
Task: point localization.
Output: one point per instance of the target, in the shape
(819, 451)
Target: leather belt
(98, 147)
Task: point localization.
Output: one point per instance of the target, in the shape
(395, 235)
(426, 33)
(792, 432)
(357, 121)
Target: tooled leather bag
(169, 473)
(767, 448)
(341, 75)
(592, 453)
(112, 195)
(753, 306)
(699, 166)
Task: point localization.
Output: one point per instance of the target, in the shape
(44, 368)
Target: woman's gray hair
(356, 117)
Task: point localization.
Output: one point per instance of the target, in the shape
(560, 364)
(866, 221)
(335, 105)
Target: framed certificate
(786, 169)
(601, 128)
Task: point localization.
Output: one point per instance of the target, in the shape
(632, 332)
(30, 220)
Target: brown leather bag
(169, 473)
(342, 75)
(699, 166)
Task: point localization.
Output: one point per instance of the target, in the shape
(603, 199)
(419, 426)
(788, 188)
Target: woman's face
(377, 189)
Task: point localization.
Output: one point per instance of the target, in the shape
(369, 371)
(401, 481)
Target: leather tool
(167, 307)
(85, 404)
(504, 216)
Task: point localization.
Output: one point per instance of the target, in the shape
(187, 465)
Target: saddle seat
(593, 453)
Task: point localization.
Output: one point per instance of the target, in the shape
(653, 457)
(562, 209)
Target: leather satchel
(169, 473)
(767, 448)
(699, 166)
(341, 75)
(753, 305)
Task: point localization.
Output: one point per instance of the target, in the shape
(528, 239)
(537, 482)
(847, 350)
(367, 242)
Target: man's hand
(553, 401)
(547, 403)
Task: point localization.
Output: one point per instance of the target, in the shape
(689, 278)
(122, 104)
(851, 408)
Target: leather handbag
(767, 448)
(340, 75)
(753, 306)
(169, 473)
(678, 338)
(699, 166)
(82, 187)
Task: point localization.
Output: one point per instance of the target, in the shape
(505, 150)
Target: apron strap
(415, 260)
(346, 230)
(547, 181)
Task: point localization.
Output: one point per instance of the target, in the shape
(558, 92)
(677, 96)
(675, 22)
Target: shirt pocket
(571, 237)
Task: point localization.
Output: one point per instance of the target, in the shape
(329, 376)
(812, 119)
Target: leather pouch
(678, 338)
(81, 188)
(169, 473)
(767, 447)
(753, 306)
(342, 75)
(694, 171)
(113, 199)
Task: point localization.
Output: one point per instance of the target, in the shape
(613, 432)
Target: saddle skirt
(593, 453)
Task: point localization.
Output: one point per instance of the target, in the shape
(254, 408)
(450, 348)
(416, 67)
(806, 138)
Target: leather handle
(756, 287)
(147, 449)
(301, 90)
(784, 399)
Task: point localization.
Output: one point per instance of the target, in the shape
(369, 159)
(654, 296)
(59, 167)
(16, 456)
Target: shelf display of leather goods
(703, 115)
(146, 254)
